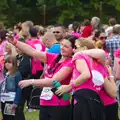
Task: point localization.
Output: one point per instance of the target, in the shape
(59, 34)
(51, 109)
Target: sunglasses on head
(56, 32)
(103, 38)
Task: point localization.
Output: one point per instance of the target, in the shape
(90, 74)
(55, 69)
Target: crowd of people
(83, 58)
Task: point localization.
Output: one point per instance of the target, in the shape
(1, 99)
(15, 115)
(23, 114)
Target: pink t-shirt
(117, 64)
(76, 34)
(2, 47)
(38, 45)
(2, 53)
(107, 100)
(91, 84)
(50, 64)
(1, 68)
(16, 37)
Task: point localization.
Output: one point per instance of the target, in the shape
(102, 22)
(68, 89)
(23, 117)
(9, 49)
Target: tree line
(47, 12)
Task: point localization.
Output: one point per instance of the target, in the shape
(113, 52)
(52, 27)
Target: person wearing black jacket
(24, 66)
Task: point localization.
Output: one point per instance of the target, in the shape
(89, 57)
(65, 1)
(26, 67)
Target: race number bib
(8, 109)
(46, 94)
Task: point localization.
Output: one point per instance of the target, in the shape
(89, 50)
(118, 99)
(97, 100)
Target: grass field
(35, 115)
(30, 115)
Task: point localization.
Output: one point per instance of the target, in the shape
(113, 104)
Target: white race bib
(97, 78)
(38, 47)
(8, 109)
(46, 94)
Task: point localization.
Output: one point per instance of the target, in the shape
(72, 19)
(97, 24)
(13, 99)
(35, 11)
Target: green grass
(35, 115)
(32, 115)
(29, 115)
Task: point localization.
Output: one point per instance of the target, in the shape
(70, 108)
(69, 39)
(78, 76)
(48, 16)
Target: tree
(57, 11)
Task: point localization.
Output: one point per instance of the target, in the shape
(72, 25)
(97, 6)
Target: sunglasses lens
(8, 62)
(56, 32)
(103, 38)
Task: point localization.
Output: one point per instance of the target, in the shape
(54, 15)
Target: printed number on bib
(46, 93)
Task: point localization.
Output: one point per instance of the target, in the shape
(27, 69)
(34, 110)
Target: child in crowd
(10, 91)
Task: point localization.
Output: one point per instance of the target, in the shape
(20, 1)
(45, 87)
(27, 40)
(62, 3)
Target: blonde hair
(84, 42)
(99, 44)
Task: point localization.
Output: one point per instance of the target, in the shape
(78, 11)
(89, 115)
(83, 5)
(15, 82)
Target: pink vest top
(49, 74)
(92, 84)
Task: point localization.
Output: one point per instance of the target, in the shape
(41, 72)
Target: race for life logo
(97, 79)
(38, 47)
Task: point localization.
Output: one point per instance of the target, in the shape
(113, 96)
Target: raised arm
(96, 54)
(29, 50)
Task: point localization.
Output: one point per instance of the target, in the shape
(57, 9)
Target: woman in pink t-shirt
(36, 43)
(59, 67)
(51, 107)
(110, 102)
(87, 81)
(3, 43)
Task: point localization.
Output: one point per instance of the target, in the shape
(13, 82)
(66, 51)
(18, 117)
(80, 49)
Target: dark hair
(13, 60)
(60, 25)
(112, 21)
(86, 22)
(3, 34)
(97, 33)
(33, 32)
(21, 40)
(18, 27)
(76, 26)
(54, 65)
(72, 39)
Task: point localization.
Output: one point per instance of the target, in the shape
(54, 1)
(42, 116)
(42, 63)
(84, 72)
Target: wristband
(33, 80)
(111, 76)
(73, 85)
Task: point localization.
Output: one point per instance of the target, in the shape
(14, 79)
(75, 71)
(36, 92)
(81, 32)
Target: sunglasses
(8, 61)
(56, 32)
(102, 38)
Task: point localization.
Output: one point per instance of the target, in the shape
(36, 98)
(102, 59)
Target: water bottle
(57, 84)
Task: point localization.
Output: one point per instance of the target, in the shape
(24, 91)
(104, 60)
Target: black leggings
(111, 112)
(54, 113)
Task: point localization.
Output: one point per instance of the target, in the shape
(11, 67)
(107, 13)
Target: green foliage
(57, 11)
